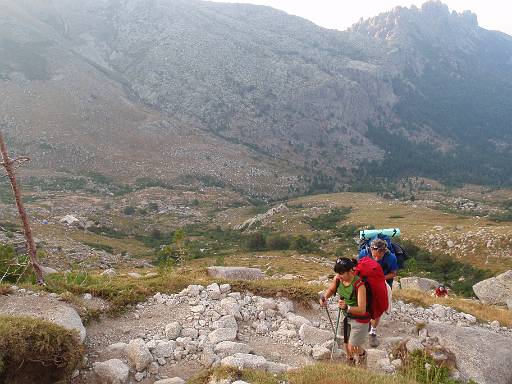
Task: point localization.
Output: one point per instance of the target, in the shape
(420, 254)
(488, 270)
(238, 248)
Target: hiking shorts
(357, 332)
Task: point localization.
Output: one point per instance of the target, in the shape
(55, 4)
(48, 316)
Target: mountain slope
(409, 92)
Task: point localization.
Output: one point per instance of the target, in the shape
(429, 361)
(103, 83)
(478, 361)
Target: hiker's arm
(361, 302)
(329, 292)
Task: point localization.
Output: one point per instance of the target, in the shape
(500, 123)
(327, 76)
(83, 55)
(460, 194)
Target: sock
(373, 331)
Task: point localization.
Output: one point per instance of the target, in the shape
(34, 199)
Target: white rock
(264, 304)
(313, 336)
(373, 357)
(138, 354)
(172, 330)
(225, 348)
(173, 380)
(134, 275)
(164, 349)
(277, 368)
(214, 291)
(320, 352)
(413, 345)
(225, 288)
(190, 332)
(284, 307)
(244, 361)
(297, 320)
(112, 371)
(231, 307)
(227, 321)
(222, 334)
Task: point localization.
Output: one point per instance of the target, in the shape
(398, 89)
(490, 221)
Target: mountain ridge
(326, 105)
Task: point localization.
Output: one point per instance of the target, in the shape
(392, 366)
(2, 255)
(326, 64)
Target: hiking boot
(361, 359)
(372, 340)
(350, 361)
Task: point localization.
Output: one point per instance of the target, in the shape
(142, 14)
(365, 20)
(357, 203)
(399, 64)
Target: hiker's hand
(342, 304)
(323, 300)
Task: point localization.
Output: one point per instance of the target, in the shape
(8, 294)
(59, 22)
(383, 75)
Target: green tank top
(346, 293)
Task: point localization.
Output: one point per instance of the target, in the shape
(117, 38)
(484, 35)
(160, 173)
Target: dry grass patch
(5, 289)
(37, 351)
(481, 311)
(318, 373)
(342, 374)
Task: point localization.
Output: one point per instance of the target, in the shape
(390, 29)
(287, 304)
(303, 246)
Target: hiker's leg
(348, 350)
(357, 339)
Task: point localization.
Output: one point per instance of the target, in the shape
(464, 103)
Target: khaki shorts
(358, 332)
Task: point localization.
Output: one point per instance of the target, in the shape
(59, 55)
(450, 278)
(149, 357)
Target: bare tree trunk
(7, 163)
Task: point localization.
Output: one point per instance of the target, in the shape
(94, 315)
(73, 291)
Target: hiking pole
(322, 297)
(335, 344)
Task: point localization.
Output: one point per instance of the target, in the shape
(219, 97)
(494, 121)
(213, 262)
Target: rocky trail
(169, 338)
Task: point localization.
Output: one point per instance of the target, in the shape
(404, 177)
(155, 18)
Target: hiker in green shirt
(352, 292)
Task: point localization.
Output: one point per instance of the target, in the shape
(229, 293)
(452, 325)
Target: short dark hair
(344, 264)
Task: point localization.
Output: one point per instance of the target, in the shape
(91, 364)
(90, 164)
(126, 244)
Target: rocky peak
(431, 23)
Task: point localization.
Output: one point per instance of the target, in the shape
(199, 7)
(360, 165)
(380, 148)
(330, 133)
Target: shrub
(444, 269)
(129, 210)
(37, 351)
(102, 247)
(256, 242)
(303, 244)
(278, 242)
(12, 267)
(329, 220)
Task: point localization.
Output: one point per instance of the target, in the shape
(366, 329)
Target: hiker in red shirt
(441, 291)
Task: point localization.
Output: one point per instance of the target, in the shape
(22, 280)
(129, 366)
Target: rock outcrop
(481, 355)
(496, 290)
(236, 273)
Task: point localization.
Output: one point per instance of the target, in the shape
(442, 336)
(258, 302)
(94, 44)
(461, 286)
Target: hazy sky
(340, 14)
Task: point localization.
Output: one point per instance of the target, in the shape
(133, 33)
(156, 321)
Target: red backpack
(370, 273)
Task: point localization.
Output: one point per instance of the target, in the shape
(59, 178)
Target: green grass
(103, 247)
(34, 350)
(329, 220)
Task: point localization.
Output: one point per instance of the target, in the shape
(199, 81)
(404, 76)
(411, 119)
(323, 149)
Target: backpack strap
(359, 282)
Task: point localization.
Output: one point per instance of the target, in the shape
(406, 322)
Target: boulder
(173, 380)
(238, 273)
(244, 361)
(214, 291)
(313, 336)
(138, 354)
(173, 330)
(496, 290)
(222, 334)
(297, 320)
(164, 349)
(373, 358)
(418, 283)
(226, 348)
(277, 368)
(112, 371)
(321, 353)
(227, 321)
(45, 308)
(481, 355)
